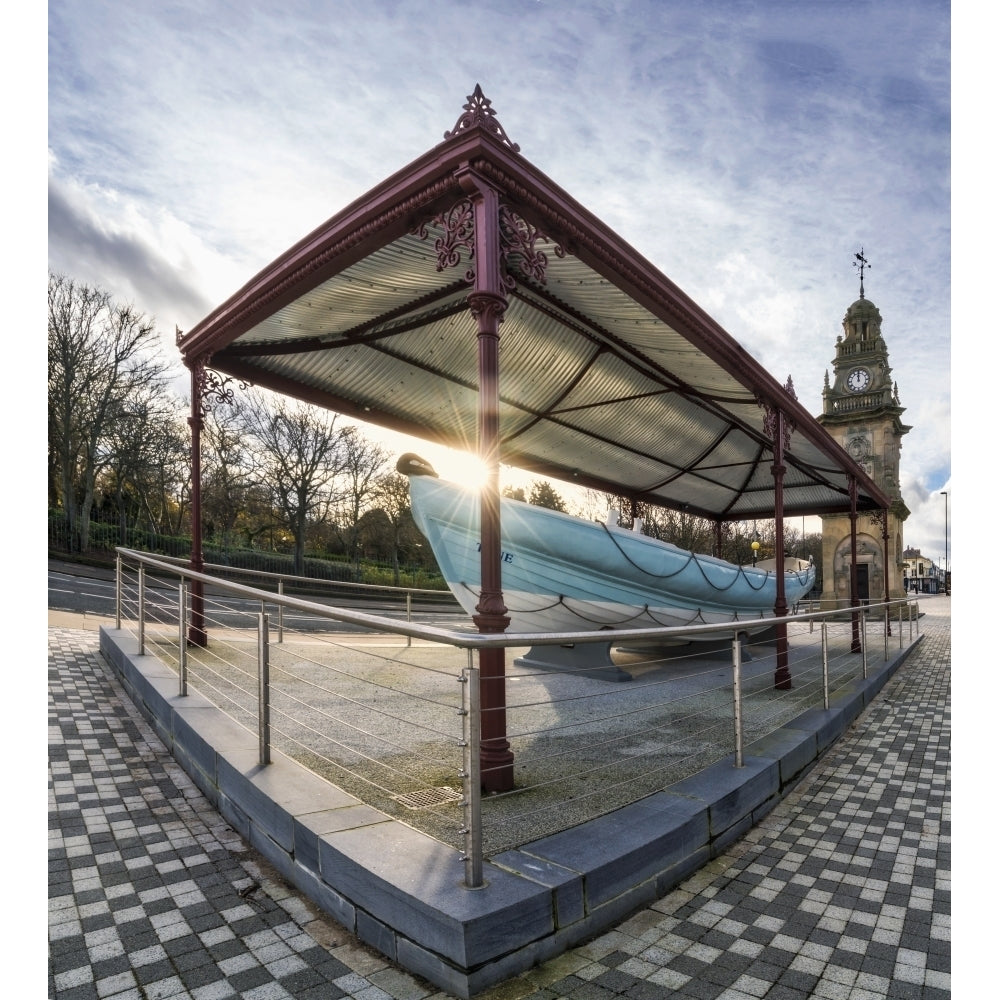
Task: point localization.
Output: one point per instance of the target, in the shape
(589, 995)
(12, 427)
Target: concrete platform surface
(843, 890)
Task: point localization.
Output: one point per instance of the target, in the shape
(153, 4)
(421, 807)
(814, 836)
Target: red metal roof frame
(242, 338)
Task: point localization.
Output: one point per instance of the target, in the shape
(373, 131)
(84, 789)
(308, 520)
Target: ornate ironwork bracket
(771, 417)
(518, 243)
(212, 388)
(478, 113)
(877, 518)
(458, 223)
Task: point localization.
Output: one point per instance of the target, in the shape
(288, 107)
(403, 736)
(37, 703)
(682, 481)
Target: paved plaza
(842, 892)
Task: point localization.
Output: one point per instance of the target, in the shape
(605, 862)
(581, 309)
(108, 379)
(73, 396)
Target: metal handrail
(318, 580)
(464, 638)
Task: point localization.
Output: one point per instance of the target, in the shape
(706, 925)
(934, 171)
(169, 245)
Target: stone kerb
(402, 892)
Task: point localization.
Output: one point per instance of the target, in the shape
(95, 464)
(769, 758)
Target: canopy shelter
(471, 301)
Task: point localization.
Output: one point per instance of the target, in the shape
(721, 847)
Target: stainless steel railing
(370, 701)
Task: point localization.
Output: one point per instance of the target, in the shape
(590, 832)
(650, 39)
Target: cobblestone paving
(843, 892)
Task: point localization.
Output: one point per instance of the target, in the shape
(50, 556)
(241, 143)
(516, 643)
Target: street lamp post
(947, 583)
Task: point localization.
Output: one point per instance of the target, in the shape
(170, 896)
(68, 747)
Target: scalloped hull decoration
(566, 574)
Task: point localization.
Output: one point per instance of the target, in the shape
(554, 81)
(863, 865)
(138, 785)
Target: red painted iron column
(488, 303)
(196, 628)
(782, 675)
(855, 601)
(885, 559)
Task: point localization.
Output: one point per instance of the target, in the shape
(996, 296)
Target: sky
(747, 148)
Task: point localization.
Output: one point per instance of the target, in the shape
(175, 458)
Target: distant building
(921, 575)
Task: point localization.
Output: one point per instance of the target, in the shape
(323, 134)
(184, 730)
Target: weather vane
(861, 262)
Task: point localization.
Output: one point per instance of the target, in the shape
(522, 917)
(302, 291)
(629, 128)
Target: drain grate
(427, 798)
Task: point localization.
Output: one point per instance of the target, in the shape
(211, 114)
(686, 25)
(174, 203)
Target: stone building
(921, 575)
(861, 410)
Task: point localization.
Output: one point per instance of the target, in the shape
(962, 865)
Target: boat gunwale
(661, 598)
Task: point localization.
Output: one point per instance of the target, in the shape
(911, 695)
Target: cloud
(83, 244)
(148, 257)
(746, 149)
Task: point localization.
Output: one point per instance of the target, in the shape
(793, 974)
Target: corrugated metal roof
(609, 375)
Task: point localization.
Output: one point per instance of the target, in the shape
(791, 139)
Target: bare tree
(363, 465)
(148, 460)
(228, 487)
(169, 493)
(594, 505)
(687, 531)
(100, 352)
(299, 453)
(392, 493)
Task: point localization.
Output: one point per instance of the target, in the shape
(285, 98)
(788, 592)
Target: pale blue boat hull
(565, 574)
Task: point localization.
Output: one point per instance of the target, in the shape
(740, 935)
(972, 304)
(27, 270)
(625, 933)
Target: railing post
(887, 631)
(738, 699)
(472, 798)
(409, 615)
(263, 691)
(281, 611)
(901, 626)
(118, 591)
(182, 639)
(142, 609)
(826, 666)
(864, 643)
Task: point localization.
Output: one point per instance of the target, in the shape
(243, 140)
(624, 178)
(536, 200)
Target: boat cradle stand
(593, 659)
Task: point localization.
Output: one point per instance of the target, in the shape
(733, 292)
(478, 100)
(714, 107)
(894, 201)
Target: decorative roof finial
(479, 114)
(861, 262)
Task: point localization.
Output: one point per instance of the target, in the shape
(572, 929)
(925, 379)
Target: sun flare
(462, 468)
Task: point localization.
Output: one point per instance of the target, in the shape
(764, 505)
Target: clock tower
(861, 410)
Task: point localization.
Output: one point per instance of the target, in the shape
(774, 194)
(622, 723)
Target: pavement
(843, 891)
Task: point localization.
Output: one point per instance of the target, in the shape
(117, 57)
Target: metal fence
(105, 538)
(386, 707)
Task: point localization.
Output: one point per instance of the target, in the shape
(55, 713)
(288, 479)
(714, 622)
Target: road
(81, 590)
(90, 591)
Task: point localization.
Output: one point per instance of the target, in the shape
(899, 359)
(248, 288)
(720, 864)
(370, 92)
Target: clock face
(859, 380)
